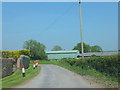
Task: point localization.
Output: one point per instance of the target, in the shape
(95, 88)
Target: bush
(15, 54)
(93, 55)
(24, 52)
(105, 64)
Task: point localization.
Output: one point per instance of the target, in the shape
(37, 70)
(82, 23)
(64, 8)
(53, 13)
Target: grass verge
(95, 76)
(16, 78)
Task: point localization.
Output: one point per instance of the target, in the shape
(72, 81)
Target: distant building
(62, 54)
(75, 54)
(99, 54)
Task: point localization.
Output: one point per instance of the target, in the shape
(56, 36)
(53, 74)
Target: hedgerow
(15, 54)
(105, 64)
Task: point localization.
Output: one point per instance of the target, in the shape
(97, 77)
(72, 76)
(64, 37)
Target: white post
(23, 71)
(34, 65)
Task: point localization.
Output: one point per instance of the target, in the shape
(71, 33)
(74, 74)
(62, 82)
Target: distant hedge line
(15, 54)
(105, 64)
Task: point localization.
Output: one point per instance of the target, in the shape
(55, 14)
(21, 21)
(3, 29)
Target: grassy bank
(16, 78)
(97, 77)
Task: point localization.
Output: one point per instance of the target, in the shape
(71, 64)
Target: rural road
(52, 76)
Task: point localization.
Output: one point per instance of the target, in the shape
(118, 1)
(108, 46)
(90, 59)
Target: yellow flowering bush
(24, 52)
(15, 54)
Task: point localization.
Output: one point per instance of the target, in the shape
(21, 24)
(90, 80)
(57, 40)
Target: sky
(58, 23)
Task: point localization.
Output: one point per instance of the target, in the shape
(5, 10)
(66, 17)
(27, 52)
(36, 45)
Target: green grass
(16, 78)
(102, 79)
(0, 84)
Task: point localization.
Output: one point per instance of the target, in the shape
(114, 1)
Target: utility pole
(81, 37)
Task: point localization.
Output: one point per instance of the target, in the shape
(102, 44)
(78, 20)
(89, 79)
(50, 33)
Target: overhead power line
(57, 19)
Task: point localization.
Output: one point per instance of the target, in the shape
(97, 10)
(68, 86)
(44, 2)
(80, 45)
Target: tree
(37, 50)
(86, 47)
(56, 48)
(96, 48)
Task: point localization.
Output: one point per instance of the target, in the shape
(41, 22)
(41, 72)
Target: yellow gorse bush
(15, 54)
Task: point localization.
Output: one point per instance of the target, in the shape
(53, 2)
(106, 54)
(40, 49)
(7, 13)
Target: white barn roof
(100, 53)
(65, 51)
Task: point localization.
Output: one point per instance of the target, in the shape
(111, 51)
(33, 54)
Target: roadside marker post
(34, 65)
(23, 71)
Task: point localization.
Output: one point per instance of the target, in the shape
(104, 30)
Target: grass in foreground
(105, 81)
(0, 84)
(16, 78)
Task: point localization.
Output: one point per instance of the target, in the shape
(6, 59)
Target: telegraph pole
(81, 37)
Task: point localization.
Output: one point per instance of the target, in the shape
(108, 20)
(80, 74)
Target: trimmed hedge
(105, 64)
(15, 54)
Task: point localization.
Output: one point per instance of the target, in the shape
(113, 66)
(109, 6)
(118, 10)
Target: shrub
(15, 54)
(105, 64)
(93, 55)
(24, 52)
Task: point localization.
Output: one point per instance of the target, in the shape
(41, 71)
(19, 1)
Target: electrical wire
(57, 19)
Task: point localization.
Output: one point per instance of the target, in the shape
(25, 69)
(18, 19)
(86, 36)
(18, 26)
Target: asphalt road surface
(52, 76)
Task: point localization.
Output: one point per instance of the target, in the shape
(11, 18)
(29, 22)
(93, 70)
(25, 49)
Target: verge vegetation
(16, 78)
(103, 69)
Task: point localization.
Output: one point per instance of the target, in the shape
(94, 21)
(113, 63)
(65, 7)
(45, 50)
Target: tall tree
(96, 48)
(86, 47)
(37, 50)
(56, 48)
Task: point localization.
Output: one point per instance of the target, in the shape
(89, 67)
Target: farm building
(100, 54)
(75, 54)
(62, 54)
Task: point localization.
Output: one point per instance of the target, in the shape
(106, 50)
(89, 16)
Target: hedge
(15, 54)
(105, 64)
